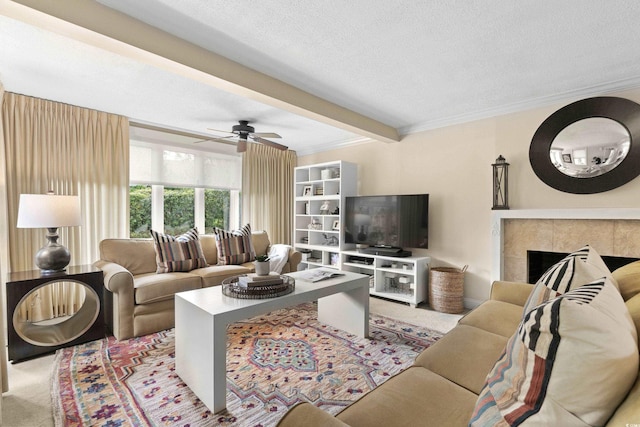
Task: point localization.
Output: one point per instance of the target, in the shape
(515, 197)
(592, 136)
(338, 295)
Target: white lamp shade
(48, 211)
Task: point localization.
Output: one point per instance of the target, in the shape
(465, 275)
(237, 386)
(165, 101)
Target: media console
(400, 278)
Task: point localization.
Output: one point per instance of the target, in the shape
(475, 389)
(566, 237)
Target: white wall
(453, 165)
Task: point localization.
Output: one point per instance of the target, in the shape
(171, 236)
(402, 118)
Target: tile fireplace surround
(613, 232)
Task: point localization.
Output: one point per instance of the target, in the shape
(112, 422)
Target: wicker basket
(446, 289)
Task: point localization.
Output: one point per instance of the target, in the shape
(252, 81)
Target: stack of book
(252, 279)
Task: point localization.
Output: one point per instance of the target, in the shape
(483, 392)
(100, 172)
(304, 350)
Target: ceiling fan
(244, 132)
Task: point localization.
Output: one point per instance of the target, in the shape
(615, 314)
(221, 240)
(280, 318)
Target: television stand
(399, 279)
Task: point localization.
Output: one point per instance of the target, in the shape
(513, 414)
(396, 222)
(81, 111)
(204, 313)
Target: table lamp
(50, 211)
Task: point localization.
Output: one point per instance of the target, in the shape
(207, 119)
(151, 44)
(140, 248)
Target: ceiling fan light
(242, 143)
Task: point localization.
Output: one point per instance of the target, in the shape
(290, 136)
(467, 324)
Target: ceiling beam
(95, 24)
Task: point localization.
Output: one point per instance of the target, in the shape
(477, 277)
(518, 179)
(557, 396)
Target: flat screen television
(394, 220)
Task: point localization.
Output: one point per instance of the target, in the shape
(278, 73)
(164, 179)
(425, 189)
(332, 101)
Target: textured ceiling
(412, 65)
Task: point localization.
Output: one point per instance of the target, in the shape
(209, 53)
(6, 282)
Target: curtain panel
(267, 191)
(71, 151)
(4, 380)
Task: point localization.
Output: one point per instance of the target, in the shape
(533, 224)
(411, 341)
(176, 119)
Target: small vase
(262, 268)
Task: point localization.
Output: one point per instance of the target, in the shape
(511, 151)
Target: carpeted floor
(273, 362)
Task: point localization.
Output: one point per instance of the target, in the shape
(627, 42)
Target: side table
(27, 339)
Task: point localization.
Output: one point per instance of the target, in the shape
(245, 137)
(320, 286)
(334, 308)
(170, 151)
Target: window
(217, 206)
(179, 208)
(139, 210)
(176, 187)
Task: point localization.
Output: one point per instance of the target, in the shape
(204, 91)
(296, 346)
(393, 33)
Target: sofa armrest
(295, 258)
(119, 281)
(305, 414)
(512, 292)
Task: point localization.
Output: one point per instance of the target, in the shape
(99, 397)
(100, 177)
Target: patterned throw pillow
(180, 253)
(570, 363)
(573, 271)
(234, 247)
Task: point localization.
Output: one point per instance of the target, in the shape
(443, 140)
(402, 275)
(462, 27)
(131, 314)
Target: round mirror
(589, 146)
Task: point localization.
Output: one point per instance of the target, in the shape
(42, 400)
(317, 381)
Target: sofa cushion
(415, 397)
(633, 305)
(562, 367)
(498, 317)
(152, 287)
(573, 271)
(178, 253)
(628, 279)
(136, 255)
(629, 409)
(261, 242)
(209, 248)
(465, 356)
(234, 247)
(214, 275)
(307, 415)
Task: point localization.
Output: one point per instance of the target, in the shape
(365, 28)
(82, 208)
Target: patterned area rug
(273, 362)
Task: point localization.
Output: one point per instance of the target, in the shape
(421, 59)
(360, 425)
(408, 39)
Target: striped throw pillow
(573, 271)
(570, 363)
(179, 253)
(234, 247)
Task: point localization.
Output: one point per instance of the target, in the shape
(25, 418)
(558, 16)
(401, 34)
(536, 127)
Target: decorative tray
(231, 288)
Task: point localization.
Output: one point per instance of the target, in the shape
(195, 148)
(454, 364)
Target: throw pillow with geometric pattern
(234, 247)
(570, 363)
(573, 271)
(178, 253)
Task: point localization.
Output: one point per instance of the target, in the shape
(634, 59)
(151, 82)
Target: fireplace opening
(538, 262)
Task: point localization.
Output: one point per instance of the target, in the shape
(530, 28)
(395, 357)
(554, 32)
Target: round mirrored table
(38, 319)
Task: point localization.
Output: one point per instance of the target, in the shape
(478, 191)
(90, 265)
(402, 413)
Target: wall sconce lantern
(500, 184)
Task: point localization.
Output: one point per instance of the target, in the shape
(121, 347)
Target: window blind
(171, 166)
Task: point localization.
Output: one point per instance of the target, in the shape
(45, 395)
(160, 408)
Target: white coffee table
(202, 317)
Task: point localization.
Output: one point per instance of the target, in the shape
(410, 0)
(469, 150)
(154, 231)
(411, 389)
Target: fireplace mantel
(498, 217)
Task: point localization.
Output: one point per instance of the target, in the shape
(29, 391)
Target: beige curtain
(72, 151)
(4, 380)
(267, 191)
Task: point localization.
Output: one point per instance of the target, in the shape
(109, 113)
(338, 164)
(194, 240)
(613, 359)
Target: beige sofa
(140, 301)
(442, 386)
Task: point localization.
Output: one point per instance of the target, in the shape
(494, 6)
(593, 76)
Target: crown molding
(524, 105)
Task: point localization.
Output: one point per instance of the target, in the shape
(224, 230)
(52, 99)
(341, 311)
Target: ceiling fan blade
(266, 135)
(269, 143)
(223, 139)
(221, 131)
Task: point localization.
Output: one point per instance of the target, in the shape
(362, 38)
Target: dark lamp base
(53, 257)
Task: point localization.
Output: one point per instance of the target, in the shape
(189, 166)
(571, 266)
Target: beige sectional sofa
(442, 387)
(140, 301)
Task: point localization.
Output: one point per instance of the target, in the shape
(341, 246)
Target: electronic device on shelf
(387, 223)
(361, 260)
(392, 251)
